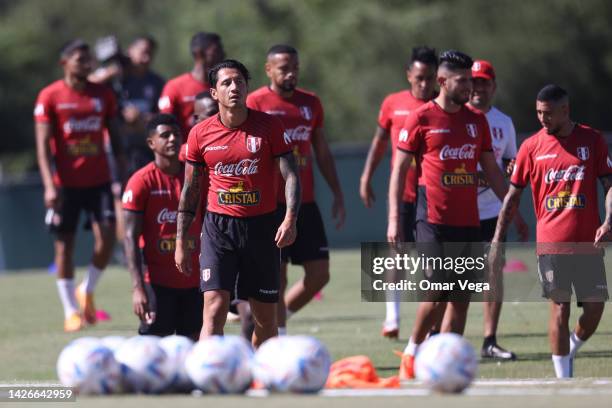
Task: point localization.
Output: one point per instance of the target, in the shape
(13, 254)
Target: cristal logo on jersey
(467, 151)
(583, 153)
(166, 216)
(82, 147)
(459, 178)
(572, 173)
(88, 124)
(299, 134)
(472, 130)
(253, 144)
(168, 244)
(244, 167)
(237, 195)
(565, 200)
(306, 112)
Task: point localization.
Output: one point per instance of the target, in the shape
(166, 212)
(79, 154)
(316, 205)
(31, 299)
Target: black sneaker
(495, 351)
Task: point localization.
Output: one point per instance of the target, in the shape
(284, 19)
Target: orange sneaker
(406, 369)
(86, 303)
(73, 324)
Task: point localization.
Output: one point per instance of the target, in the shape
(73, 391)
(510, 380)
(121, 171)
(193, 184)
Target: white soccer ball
(220, 364)
(89, 367)
(446, 363)
(112, 342)
(177, 348)
(292, 363)
(145, 367)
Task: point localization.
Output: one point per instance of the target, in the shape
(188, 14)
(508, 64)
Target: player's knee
(594, 309)
(560, 314)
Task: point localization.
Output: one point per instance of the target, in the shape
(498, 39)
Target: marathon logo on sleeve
(163, 103)
(572, 173)
(459, 178)
(39, 110)
(238, 196)
(565, 200)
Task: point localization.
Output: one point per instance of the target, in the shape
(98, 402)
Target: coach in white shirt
(503, 137)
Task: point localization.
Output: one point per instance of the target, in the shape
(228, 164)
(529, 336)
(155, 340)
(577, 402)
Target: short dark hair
(203, 95)
(423, 54)
(552, 93)
(69, 47)
(202, 40)
(282, 49)
(161, 119)
(454, 60)
(213, 73)
(145, 37)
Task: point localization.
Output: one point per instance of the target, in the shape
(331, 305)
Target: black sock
(489, 341)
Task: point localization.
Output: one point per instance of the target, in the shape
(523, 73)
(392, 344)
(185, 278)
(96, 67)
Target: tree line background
(353, 52)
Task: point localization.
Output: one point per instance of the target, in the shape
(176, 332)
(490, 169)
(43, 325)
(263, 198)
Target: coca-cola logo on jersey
(245, 167)
(89, 124)
(572, 173)
(300, 133)
(467, 151)
(166, 216)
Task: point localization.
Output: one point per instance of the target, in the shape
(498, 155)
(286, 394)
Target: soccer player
(72, 116)
(204, 107)
(180, 92)
(421, 75)
(240, 149)
(301, 113)
(449, 140)
(503, 139)
(173, 303)
(562, 162)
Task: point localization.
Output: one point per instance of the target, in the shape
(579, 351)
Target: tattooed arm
(288, 231)
(604, 230)
(509, 209)
(188, 205)
(140, 302)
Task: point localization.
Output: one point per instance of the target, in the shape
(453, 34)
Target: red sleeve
(192, 150)
(318, 114)
(486, 143)
(110, 103)
(166, 100)
(603, 162)
(522, 168)
(136, 194)
(384, 118)
(280, 141)
(252, 102)
(410, 136)
(43, 110)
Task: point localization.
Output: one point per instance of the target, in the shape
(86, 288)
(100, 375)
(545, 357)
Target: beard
(553, 131)
(460, 99)
(288, 86)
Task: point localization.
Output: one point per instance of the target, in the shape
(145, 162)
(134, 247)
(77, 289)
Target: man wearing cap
(503, 138)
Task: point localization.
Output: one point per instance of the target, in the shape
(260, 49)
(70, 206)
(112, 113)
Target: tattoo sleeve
(606, 182)
(190, 197)
(293, 192)
(509, 209)
(133, 230)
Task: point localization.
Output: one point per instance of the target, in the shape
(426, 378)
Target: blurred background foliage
(352, 52)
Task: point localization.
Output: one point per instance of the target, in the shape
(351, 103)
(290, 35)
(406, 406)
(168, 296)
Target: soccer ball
(446, 363)
(292, 363)
(112, 342)
(145, 367)
(177, 348)
(220, 364)
(89, 367)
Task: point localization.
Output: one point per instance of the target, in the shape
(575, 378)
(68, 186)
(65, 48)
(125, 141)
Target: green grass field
(31, 338)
